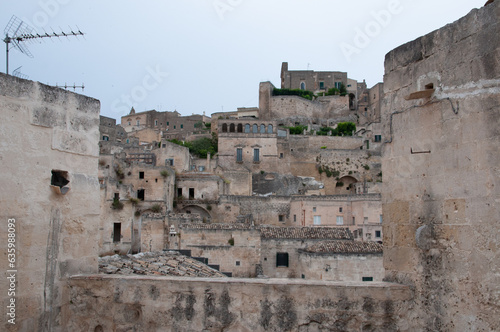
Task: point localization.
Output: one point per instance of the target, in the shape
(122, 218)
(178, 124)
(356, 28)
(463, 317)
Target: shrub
(119, 173)
(293, 92)
(323, 147)
(339, 184)
(156, 208)
(262, 172)
(134, 201)
(117, 205)
(350, 172)
(137, 213)
(297, 130)
(320, 170)
(209, 207)
(102, 162)
(366, 167)
(231, 241)
(333, 92)
(345, 128)
(164, 173)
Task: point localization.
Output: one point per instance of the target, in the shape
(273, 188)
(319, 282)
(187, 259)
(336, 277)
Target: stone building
(50, 198)
(110, 131)
(314, 81)
(441, 173)
(169, 125)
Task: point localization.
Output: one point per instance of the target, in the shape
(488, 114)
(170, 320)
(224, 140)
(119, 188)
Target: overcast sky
(198, 56)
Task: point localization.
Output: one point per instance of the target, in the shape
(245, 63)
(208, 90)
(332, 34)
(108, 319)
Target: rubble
(162, 263)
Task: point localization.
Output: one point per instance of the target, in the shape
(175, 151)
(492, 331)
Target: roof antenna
(17, 32)
(17, 73)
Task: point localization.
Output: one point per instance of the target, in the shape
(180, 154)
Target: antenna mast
(17, 32)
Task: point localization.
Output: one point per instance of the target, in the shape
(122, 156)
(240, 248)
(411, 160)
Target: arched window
(262, 128)
(240, 128)
(270, 129)
(247, 128)
(231, 128)
(255, 128)
(302, 85)
(224, 127)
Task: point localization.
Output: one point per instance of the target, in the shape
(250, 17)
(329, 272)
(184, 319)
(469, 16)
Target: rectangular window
(174, 126)
(117, 196)
(168, 123)
(169, 162)
(237, 263)
(117, 232)
(365, 220)
(156, 122)
(239, 155)
(282, 259)
(281, 155)
(381, 218)
(129, 123)
(105, 138)
(191, 193)
(138, 122)
(367, 278)
(182, 126)
(340, 209)
(337, 85)
(179, 192)
(378, 138)
(378, 234)
(314, 209)
(256, 155)
(281, 218)
(141, 175)
(317, 220)
(340, 220)
(295, 218)
(321, 85)
(140, 194)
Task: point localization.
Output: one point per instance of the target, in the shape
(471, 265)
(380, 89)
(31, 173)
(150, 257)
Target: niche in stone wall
(59, 182)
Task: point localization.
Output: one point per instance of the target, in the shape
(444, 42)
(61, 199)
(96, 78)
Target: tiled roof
(346, 247)
(167, 263)
(232, 226)
(306, 233)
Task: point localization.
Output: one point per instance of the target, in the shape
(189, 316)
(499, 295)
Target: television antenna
(18, 32)
(17, 73)
(74, 86)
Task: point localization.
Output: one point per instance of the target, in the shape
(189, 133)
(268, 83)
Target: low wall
(138, 303)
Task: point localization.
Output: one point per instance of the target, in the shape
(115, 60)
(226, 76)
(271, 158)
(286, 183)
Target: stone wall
(441, 173)
(46, 129)
(118, 303)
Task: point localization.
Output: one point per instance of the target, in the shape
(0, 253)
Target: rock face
(167, 263)
(441, 211)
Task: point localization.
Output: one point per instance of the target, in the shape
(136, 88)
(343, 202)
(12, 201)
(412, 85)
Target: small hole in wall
(429, 86)
(98, 328)
(59, 178)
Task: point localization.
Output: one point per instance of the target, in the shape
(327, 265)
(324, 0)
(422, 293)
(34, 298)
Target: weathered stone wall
(441, 173)
(341, 267)
(197, 304)
(45, 129)
(240, 258)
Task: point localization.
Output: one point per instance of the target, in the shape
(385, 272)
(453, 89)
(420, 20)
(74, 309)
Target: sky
(207, 56)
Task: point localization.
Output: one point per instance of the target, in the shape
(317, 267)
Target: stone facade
(441, 173)
(110, 131)
(311, 80)
(49, 137)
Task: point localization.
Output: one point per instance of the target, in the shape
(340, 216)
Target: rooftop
(345, 247)
(308, 233)
(168, 263)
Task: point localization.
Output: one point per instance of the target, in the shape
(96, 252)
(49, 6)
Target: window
(179, 192)
(105, 138)
(270, 129)
(281, 155)
(240, 128)
(256, 155)
(378, 234)
(295, 218)
(231, 128)
(340, 209)
(302, 85)
(262, 129)
(282, 259)
(156, 122)
(117, 196)
(321, 85)
(247, 128)
(174, 126)
(163, 146)
(281, 218)
(129, 123)
(338, 84)
(224, 127)
(239, 155)
(169, 162)
(255, 128)
(317, 220)
(168, 123)
(365, 220)
(378, 138)
(237, 263)
(314, 209)
(138, 122)
(201, 168)
(141, 175)
(140, 194)
(381, 218)
(117, 231)
(182, 126)
(367, 278)
(191, 193)
(340, 220)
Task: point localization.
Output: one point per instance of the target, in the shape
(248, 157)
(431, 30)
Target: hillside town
(329, 206)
